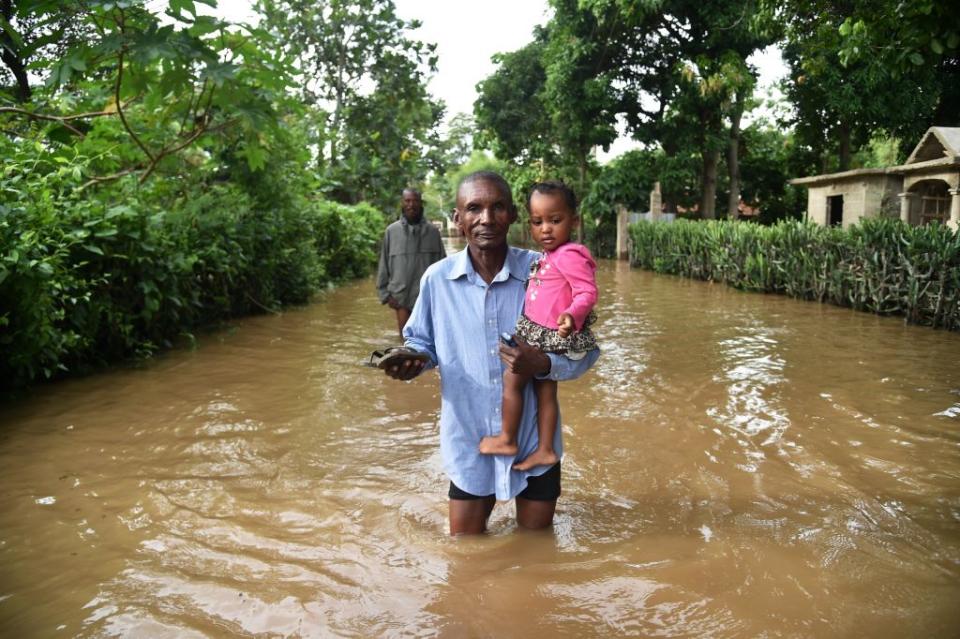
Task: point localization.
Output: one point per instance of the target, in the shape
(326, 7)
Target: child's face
(551, 220)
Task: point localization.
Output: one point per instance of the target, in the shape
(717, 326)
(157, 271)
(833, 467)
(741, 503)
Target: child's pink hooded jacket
(564, 283)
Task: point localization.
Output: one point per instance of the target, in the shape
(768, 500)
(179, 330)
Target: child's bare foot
(498, 445)
(539, 457)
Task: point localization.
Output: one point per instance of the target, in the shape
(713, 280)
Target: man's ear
(513, 213)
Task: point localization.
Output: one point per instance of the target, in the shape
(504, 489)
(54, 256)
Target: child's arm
(578, 268)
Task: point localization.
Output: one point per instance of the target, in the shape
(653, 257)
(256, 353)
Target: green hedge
(880, 265)
(84, 283)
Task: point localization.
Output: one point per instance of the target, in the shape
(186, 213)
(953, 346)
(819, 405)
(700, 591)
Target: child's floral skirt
(548, 340)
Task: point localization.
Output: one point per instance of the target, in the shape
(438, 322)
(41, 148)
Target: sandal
(394, 356)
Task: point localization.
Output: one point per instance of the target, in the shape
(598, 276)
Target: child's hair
(552, 187)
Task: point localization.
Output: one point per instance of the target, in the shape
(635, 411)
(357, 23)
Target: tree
(146, 87)
(512, 116)
(578, 88)
(365, 83)
(907, 39)
(840, 101)
(769, 158)
(681, 73)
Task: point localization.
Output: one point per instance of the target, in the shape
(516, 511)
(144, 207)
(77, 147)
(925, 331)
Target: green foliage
(770, 157)
(841, 100)
(880, 265)
(625, 181)
(84, 282)
(140, 88)
(363, 81)
(513, 119)
(901, 35)
(163, 179)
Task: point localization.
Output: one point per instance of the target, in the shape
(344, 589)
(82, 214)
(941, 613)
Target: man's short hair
(553, 187)
(490, 176)
(410, 189)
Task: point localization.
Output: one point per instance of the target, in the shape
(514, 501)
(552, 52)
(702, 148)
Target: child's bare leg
(548, 409)
(506, 442)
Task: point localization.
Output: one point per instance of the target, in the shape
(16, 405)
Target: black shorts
(545, 487)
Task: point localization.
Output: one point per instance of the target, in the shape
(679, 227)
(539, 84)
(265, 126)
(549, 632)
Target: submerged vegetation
(881, 265)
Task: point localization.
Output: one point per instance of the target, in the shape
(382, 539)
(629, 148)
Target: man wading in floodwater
(410, 245)
(466, 301)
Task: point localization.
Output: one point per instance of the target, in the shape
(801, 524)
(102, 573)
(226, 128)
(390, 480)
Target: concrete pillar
(954, 221)
(656, 202)
(906, 205)
(623, 218)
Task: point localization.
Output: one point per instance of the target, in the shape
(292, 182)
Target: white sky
(468, 32)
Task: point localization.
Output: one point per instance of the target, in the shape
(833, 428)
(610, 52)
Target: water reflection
(732, 469)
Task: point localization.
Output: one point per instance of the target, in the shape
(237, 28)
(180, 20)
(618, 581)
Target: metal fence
(648, 217)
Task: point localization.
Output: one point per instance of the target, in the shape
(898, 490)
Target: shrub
(880, 265)
(84, 282)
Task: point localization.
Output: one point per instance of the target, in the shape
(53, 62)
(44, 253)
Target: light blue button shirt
(457, 320)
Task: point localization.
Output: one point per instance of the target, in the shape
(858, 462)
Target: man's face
(412, 206)
(484, 213)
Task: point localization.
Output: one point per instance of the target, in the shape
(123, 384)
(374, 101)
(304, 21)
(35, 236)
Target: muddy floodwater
(737, 465)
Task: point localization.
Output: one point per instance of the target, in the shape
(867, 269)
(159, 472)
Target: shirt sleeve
(563, 368)
(579, 269)
(418, 333)
(383, 269)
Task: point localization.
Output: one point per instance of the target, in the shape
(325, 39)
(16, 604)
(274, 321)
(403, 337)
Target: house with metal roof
(925, 189)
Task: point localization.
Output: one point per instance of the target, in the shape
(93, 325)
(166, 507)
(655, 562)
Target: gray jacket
(408, 249)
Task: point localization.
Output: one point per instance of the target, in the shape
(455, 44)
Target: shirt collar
(513, 265)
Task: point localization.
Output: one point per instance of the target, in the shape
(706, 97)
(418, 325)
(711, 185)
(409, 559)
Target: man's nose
(487, 216)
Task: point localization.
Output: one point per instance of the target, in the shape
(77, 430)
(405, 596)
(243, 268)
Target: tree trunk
(708, 184)
(844, 134)
(668, 199)
(10, 57)
(733, 158)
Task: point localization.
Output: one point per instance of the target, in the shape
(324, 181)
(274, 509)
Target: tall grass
(880, 265)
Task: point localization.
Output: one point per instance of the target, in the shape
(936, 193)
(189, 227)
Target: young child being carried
(557, 315)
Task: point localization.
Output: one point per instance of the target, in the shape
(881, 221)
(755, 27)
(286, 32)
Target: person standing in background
(410, 245)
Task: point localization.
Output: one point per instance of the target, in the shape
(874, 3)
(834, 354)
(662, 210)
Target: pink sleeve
(578, 268)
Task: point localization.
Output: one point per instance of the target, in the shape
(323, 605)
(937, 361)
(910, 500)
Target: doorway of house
(835, 210)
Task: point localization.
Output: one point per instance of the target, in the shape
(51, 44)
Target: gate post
(656, 202)
(623, 252)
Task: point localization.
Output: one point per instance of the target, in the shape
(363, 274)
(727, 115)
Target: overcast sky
(468, 32)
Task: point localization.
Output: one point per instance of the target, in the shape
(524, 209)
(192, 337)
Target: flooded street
(737, 465)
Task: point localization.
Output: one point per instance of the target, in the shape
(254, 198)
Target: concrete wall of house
(853, 201)
(882, 196)
(864, 196)
(951, 177)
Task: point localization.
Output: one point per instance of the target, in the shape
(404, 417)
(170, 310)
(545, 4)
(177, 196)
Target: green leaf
(177, 7)
(916, 59)
(936, 46)
(93, 249)
(10, 31)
